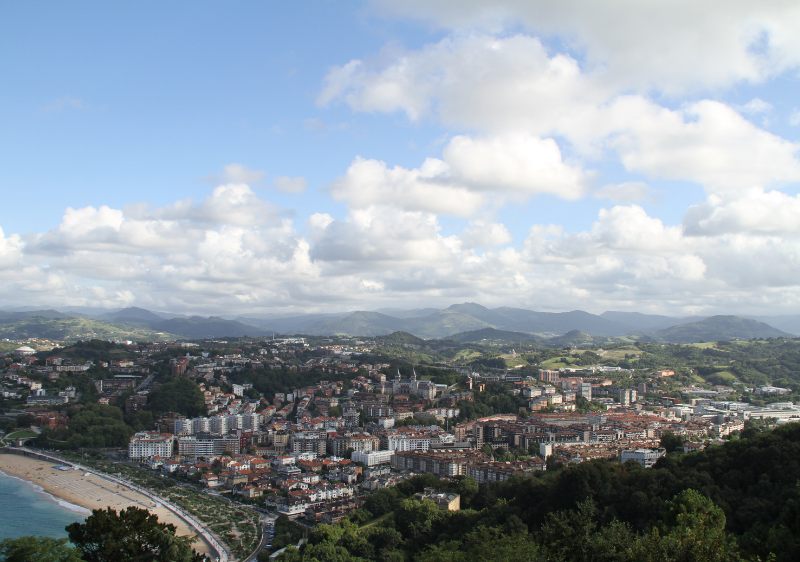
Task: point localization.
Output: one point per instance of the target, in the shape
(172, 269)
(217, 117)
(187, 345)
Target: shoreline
(82, 492)
(80, 510)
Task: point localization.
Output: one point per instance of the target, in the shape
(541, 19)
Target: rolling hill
(492, 335)
(212, 327)
(719, 328)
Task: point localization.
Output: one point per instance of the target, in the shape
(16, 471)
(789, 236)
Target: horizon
(294, 159)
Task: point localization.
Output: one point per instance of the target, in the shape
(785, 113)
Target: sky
(214, 157)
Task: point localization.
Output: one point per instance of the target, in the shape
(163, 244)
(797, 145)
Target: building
(585, 390)
(24, 351)
(413, 387)
(207, 445)
(135, 403)
(372, 458)
(548, 376)
(150, 444)
(444, 501)
(645, 457)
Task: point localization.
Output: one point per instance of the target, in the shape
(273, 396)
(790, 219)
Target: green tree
(467, 488)
(417, 519)
(181, 395)
(131, 534)
(671, 442)
(692, 529)
(41, 549)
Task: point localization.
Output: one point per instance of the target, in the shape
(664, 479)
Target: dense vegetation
(738, 500)
(181, 395)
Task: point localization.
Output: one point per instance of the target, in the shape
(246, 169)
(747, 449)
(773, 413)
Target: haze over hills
(461, 322)
(718, 328)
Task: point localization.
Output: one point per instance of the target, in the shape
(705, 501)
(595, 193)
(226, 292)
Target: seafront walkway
(222, 554)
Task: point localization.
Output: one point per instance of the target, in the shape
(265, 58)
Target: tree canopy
(131, 534)
(181, 395)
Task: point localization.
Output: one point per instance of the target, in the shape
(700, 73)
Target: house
(444, 501)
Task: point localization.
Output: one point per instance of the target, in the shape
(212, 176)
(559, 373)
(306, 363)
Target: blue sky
(220, 157)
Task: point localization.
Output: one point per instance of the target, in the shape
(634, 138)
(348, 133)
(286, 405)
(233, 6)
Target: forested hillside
(735, 501)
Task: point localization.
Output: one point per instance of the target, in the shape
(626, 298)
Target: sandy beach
(90, 491)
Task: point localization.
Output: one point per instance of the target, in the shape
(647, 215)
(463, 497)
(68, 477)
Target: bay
(26, 509)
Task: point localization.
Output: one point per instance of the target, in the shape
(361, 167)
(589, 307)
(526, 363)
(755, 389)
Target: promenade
(90, 490)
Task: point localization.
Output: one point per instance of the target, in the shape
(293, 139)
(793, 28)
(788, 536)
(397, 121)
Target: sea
(26, 509)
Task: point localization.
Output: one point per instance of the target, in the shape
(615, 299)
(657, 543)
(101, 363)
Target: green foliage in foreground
(693, 530)
(41, 549)
(737, 501)
(131, 534)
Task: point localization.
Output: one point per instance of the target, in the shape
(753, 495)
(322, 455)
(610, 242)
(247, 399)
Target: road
(267, 534)
(222, 553)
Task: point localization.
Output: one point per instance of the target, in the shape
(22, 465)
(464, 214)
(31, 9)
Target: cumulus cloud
(479, 80)
(679, 46)
(510, 86)
(472, 171)
(379, 254)
(626, 192)
(290, 185)
(706, 142)
(753, 212)
(236, 173)
(483, 234)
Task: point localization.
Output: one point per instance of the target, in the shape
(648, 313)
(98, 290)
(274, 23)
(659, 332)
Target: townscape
(309, 429)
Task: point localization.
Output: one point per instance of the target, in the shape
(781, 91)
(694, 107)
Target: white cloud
(477, 80)
(670, 46)
(725, 251)
(236, 173)
(706, 142)
(511, 86)
(483, 234)
(794, 118)
(290, 185)
(65, 103)
(755, 106)
(626, 192)
(472, 169)
(754, 212)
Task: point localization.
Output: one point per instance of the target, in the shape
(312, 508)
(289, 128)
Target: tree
(181, 395)
(671, 442)
(467, 488)
(42, 549)
(131, 534)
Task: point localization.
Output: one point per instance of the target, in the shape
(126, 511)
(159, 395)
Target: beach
(90, 491)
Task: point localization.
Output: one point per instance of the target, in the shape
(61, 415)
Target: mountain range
(461, 322)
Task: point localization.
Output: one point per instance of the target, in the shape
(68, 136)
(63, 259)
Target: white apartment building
(406, 442)
(150, 444)
(372, 458)
(645, 457)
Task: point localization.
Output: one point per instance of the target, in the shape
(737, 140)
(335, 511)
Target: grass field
(512, 361)
(724, 377)
(619, 354)
(19, 434)
(704, 345)
(556, 363)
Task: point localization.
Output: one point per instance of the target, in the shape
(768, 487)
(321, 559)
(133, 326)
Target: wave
(62, 502)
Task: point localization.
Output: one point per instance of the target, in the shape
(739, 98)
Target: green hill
(492, 335)
(719, 328)
(78, 329)
(212, 327)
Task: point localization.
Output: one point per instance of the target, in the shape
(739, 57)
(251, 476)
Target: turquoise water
(25, 509)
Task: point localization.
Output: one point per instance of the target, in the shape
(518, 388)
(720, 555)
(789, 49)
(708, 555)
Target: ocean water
(26, 509)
